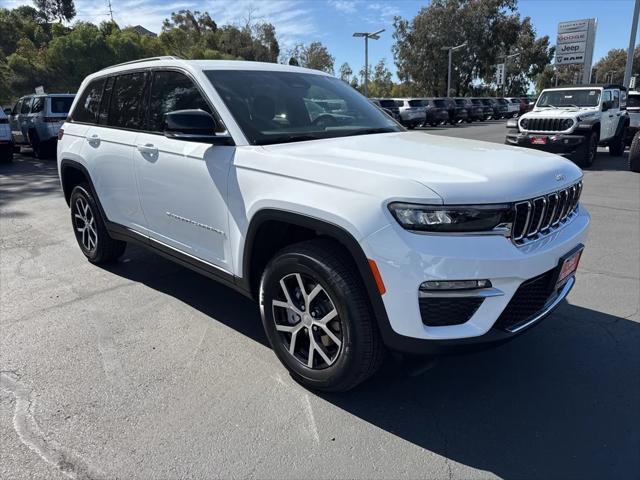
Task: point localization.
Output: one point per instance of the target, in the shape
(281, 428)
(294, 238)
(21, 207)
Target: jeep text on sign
(571, 48)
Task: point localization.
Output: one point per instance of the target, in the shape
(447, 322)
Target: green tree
(315, 56)
(345, 72)
(491, 28)
(61, 10)
(610, 68)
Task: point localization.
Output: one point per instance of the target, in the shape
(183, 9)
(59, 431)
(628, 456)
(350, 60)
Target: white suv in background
(354, 234)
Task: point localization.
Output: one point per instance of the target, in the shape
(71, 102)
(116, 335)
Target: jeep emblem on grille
(560, 177)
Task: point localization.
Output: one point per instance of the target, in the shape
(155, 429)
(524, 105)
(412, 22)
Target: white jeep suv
(355, 235)
(573, 121)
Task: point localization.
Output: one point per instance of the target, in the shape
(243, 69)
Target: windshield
(278, 107)
(61, 104)
(569, 98)
(633, 101)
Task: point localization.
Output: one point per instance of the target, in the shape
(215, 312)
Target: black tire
(104, 249)
(634, 154)
(323, 263)
(616, 146)
(586, 153)
(6, 154)
(40, 150)
(433, 124)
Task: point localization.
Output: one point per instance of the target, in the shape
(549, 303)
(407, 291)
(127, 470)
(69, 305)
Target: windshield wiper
(369, 131)
(288, 138)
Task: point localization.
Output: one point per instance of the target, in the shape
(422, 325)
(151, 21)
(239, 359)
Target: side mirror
(606, 105)
(194, 126)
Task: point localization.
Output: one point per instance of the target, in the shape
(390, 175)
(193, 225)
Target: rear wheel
(317, 316)
(90, 230)
(634, 154)
(616, 146)
(40, 149)
(586, 153)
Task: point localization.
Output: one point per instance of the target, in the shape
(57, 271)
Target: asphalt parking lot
(148, 370)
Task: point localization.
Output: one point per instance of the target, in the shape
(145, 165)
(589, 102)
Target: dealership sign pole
(574, 45)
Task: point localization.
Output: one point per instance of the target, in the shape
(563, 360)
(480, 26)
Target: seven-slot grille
(541, 215)
(544, 124)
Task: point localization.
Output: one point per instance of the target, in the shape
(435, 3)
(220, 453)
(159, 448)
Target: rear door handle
(610, 116)
(148, 148)
(94, 140)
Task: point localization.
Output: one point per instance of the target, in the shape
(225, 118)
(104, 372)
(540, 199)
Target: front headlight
(566, 124)
(462, 218)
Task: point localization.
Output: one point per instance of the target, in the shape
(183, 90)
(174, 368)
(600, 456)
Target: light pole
(632, 44)
(451, 50)
(506, 60)
(367, 36)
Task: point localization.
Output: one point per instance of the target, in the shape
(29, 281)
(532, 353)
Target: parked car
(457, 113)
(354, 240)
(412, 112)
(475, 112)
(513, 106)
(36, 119)
(392, 109)
(487, 107)
(6, 143)
(499, 108)
(633, 110)
(437, 112)
(573, 121)
(634, 153)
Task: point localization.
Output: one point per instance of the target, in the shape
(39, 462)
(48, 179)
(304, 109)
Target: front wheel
(90, 230)
(586, 153)
(634, 154)
(317, 316)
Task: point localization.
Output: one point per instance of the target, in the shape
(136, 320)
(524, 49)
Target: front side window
(277, 107)
(26, 105)
(16, 108)
(171, 91)
(126, 101)
(38, 105)
(86, 109)
(616, 99)
(571, 98)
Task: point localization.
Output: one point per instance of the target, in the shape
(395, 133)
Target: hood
(560, 112)
(459, 171)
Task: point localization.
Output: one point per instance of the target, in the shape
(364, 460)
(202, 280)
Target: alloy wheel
(85, 224)
(307, 321)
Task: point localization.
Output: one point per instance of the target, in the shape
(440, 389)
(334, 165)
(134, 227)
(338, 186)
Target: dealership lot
(147, 370)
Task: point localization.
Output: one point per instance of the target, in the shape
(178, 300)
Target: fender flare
(335, 232)
(623, 123)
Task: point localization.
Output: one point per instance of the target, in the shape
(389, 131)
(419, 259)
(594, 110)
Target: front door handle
(94, 140)
(610, 116)
(148, 148)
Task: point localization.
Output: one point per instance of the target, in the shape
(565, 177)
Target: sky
(333, 21)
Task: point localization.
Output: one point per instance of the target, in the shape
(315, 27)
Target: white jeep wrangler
(574, 121)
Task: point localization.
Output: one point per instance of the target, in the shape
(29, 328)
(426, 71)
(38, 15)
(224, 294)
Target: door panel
(607, 128)
(183, 190)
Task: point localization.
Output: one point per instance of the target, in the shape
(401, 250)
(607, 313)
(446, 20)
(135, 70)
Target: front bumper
(406, 260)
(555, 143)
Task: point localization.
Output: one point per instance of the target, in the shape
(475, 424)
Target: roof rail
(150, 59)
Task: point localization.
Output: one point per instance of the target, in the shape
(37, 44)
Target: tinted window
(440, 103)
(103, 115)
(26, 105)
(126, 100)
(16, 107)
(61, 104)
(38, 105)
(416, 103)
(616, 99)
(86, 109)
(633, 101)
(172, 91)
(388, 103)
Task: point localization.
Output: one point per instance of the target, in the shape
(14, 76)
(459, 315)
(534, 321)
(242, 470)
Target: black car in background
(390, 109)
(437, 111)
(458, 112)
(475, 111)
(633, 110)
(487, 107)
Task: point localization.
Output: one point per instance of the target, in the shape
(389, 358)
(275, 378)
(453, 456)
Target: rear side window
(60, 104)
(440, 103)
(172, 91)
(26, 105)
(388, 103)
(126, 100)
(86, 110)
(38, 105)
(416, 103)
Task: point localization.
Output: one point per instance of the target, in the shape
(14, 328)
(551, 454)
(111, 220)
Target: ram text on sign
(569, 59)
(573, 26)
(571, 48)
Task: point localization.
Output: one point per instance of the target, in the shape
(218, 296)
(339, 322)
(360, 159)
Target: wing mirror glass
(606, 105)
(194, 126)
